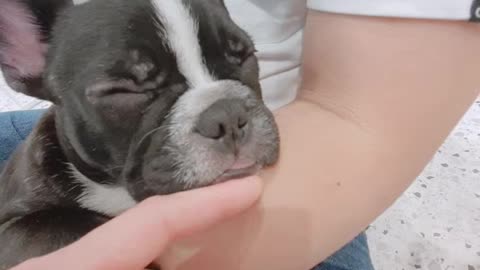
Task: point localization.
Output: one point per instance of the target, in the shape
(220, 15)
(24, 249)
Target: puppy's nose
(226, 121)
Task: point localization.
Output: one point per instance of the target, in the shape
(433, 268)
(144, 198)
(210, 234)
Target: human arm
(132, 240)
(379, 97)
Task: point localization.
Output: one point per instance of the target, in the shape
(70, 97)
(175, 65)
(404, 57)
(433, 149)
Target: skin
(378, 99)
(379, 96)
(154, 223)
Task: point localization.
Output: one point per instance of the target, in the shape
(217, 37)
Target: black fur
(101, 133)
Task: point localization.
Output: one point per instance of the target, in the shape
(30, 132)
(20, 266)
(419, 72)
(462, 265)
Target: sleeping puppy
(150, 97)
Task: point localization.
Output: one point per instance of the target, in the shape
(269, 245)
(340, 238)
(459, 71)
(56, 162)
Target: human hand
(136, 238)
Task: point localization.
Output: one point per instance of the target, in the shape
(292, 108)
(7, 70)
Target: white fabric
(427, 9)
(276, 27)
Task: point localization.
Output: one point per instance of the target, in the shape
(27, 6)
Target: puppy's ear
(25, 26)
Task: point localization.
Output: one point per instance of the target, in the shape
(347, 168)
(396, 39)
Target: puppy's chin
(160, 179)
(237, 173)
(163, 176)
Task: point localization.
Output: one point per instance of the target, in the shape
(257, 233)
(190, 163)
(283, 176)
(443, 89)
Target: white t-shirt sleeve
(276, 27)
(426, 9)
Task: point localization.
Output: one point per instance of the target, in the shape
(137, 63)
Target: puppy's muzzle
(227, 124)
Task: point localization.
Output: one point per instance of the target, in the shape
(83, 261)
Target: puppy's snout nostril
(242, 122)
(226, 120)
(221, 132)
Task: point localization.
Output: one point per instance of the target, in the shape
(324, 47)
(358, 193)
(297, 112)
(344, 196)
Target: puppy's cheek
(158, 171)
(266, 138)
(152, 181)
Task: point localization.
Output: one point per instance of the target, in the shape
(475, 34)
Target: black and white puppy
(150, 97)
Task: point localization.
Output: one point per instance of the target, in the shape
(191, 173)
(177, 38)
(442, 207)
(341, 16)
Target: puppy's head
(160, 95)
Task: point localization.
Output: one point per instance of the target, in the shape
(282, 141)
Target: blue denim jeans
(15, 127)
(353, 256)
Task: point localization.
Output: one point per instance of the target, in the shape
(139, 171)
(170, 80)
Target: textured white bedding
(436, 224)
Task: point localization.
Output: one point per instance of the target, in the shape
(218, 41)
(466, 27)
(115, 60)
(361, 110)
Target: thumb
(133, 240)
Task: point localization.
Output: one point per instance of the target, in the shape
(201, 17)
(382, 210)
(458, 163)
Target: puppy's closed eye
(107, 88)
(122, 94)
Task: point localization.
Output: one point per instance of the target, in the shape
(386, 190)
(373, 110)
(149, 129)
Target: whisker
(148, 135)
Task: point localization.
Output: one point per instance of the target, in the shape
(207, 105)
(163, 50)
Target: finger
(134, 239)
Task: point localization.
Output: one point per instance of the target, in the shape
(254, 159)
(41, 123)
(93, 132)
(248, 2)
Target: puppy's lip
(239, 170)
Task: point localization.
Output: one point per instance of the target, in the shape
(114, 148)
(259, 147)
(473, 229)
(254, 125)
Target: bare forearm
(315, 199)
(379, 98)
